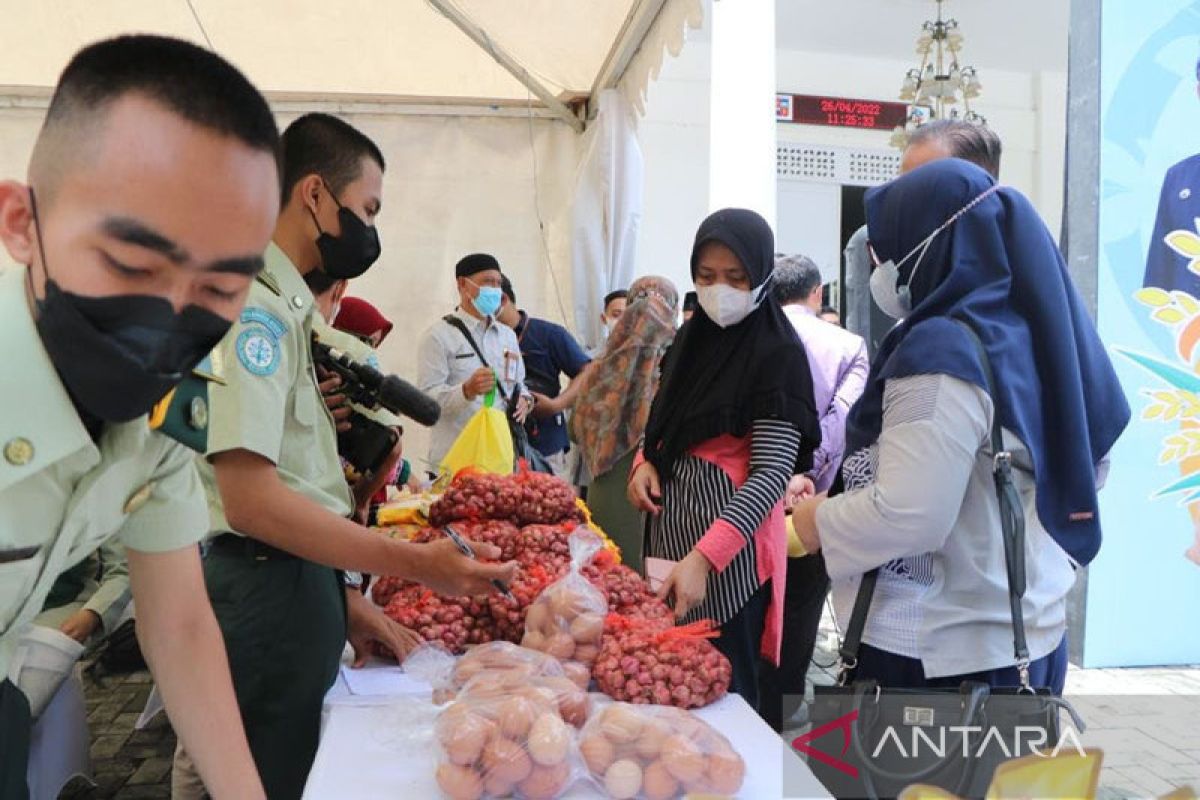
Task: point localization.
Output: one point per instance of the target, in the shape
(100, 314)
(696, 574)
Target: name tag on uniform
(510, 366)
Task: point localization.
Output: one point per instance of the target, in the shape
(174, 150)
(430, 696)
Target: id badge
(510, 366)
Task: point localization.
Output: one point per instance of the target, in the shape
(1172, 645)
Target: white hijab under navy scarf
(997, 269)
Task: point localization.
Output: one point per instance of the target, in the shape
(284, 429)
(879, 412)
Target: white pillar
(742, 122)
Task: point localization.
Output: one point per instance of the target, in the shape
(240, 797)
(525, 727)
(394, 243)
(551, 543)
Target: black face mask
(351, 254)
(119, 355)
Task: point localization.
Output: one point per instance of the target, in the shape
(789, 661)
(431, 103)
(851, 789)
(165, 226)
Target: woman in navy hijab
(919, 502)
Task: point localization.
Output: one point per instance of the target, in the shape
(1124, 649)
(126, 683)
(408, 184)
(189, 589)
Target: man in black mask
(151, 194)
(278, 498)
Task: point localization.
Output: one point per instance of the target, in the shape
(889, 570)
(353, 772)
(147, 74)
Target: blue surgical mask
(487, 302)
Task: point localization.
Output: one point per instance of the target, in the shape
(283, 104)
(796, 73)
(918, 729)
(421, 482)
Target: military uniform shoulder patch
(254, 315)
(258, 350)
(258, 346)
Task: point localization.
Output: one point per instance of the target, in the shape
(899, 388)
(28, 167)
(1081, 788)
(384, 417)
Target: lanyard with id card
(511, 359)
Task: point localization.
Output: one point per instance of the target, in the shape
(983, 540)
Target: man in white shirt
(450, 369)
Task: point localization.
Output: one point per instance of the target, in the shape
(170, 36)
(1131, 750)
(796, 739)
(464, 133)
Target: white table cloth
(377, 742)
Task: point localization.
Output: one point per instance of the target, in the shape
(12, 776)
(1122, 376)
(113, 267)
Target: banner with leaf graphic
(1144, 588)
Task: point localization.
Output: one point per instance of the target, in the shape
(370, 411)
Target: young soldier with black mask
(278, 497)
(123, 288)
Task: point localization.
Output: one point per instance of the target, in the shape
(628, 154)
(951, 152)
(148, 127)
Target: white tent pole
(478, 35)
(633, 33)
(742, 99)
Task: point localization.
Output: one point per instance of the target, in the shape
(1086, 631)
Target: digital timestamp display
(839, 112)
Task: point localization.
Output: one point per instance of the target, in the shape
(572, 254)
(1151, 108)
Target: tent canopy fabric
(419, 50)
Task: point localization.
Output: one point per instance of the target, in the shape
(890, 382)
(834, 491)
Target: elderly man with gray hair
(838, 360)
(942, 138)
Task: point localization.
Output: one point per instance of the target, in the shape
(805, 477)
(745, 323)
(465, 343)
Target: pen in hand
(466, 550)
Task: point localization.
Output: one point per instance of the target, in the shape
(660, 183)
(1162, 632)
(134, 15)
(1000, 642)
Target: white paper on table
(657, 571)
(381, 679)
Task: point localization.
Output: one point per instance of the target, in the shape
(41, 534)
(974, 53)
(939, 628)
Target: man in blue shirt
(549, 352)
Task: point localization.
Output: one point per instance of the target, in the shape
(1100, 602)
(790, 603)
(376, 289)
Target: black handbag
(870, 741)
(523, 449)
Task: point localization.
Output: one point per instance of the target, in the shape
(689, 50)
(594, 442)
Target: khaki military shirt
(62, 495)
(269, 402)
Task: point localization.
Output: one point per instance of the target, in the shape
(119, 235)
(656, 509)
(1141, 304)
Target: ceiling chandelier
(939, 88)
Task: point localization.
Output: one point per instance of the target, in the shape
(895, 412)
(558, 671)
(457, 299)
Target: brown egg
(459, 783)
(560, 645)
(650, 743)
(598, 753)
(620, 724)
(540, 695)
(537, 618)
(726, 771)
(463, 738)
(683, 759)
(587, 628)
(516, 714)
(578, 673)
(623, 780)
(534, 639)
(545, 783)
(658, 783)
(549, 740)
(506, 759)
(496, 786)
(586, 653)
(565, 605)
(574, 707)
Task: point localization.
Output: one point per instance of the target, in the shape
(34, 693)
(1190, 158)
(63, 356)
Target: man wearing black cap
(451, 368)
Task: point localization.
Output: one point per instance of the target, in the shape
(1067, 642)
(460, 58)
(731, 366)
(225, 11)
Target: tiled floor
(126, 764)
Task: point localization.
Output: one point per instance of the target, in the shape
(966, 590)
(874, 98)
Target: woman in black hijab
(733, 420)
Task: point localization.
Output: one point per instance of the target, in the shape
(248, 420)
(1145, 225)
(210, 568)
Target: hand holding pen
(465, 548)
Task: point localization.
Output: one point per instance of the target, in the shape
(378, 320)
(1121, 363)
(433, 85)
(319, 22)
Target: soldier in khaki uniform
(121, 289)
(277, 496)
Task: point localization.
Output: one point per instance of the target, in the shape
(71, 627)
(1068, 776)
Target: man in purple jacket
(838, 360)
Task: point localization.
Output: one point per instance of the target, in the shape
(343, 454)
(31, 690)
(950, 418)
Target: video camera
(367, 444)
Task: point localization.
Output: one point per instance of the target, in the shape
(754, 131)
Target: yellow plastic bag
(485, 443)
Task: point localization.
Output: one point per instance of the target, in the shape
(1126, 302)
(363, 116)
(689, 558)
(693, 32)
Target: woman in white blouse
(967, 264)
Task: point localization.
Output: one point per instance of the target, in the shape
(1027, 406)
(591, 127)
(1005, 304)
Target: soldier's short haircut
(320, 144)
(190, 81)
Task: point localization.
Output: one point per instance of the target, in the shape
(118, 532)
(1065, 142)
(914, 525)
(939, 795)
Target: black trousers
(782, 687)
(15, 729)
(741, 640)
(284, 624)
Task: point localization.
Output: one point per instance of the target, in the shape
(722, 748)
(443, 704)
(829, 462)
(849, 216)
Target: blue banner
(1144, 588)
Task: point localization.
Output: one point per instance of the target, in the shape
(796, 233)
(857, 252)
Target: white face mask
(892, 298)
(728, 306)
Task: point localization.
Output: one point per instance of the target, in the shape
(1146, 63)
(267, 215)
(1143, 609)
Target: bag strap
(1012, 524)
(455, 322)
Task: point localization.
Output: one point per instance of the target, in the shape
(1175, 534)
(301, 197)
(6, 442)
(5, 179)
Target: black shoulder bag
(522, 447)
(871, 741)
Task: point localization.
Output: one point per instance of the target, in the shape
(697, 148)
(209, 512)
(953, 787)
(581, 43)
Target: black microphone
(367, 386)
(401, 397)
